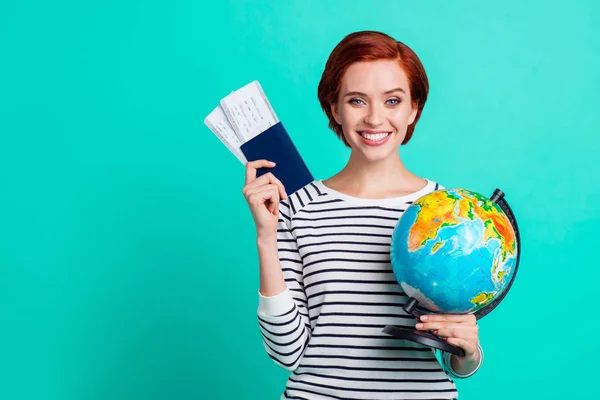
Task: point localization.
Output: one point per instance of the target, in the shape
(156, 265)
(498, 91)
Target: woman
(326, 283)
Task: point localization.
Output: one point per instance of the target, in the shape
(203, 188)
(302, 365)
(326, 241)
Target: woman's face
(374, 108)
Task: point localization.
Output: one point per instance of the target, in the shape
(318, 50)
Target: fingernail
(272, 163)
(424, 317)
(419, 326)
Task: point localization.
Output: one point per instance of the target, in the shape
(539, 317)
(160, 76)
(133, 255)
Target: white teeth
(375, 137)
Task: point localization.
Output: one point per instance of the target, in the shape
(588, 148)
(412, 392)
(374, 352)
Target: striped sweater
(326, 327)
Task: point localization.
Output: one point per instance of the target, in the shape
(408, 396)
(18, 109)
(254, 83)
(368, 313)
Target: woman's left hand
(458, 329)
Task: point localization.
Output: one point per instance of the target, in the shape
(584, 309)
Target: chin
(376, 154)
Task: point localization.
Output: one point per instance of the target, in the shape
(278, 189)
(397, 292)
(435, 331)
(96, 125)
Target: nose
(374, 116)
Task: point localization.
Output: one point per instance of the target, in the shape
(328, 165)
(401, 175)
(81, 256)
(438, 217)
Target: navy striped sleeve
(283, 318)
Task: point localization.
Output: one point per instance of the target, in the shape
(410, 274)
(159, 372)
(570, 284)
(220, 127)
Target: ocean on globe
(454, 251)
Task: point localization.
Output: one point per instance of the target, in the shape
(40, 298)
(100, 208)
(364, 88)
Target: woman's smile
(374, 138)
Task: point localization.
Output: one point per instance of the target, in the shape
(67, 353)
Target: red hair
(371, 46)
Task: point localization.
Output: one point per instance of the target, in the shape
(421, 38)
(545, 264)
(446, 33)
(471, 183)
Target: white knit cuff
(447, 360)
(277, 305)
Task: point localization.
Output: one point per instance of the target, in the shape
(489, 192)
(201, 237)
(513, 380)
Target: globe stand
(426, 338)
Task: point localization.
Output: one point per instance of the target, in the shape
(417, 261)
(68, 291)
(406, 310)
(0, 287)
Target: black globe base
(425, 338)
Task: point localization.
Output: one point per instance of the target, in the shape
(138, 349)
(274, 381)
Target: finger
(266, 193)
(274, 205)
(466, 334)
(251, 190)
(428, 326)
(461, 318)
(274, 202)
(266, 179)
(469, 347)
(252, 166)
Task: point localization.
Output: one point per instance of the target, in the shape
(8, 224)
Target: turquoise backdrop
(128, 267)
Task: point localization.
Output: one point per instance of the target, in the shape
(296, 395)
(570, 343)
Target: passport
(275, 144)
(246, 123)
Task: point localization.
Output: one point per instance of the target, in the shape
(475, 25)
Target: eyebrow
(398, 89)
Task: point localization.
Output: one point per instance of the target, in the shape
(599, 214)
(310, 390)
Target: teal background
(127, 261)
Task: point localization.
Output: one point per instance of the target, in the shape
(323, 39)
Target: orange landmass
(441, 208)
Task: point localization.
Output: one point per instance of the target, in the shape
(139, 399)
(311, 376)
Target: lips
(375, 138)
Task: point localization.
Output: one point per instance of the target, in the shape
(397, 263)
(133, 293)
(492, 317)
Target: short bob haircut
(371, 46)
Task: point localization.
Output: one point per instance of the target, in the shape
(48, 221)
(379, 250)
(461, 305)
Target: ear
(335, 113)
(413, 114)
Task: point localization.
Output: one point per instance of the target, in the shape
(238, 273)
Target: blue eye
(356, 101)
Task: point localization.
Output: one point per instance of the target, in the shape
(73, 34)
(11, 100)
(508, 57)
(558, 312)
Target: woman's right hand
(263, 195)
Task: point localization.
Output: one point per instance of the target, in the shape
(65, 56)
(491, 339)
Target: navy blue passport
(276, 145)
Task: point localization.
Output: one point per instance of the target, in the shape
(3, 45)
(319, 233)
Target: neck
(367, 178)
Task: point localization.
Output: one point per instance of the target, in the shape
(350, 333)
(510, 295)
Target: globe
(454, 251)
